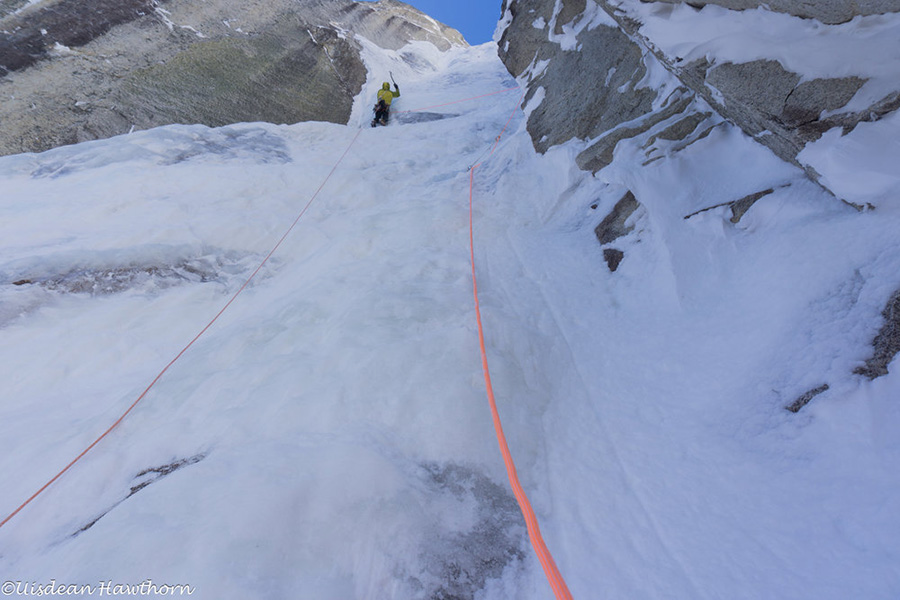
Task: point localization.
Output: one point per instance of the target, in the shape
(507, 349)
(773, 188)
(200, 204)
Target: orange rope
(191, 343)
(560, 590)
(554, 577)
(214, 319)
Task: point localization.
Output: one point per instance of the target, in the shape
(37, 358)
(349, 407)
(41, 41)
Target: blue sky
(475, 19)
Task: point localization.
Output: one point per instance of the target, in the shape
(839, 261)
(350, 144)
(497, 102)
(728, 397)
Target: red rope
(560, 589)
(191, 343)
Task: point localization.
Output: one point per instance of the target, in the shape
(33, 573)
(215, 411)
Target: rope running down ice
(554, 577)
(214, 319)
(191, 343)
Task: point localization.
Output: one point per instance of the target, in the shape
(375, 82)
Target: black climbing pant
(382, 113)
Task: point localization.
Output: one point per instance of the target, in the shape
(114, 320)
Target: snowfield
(329, 437)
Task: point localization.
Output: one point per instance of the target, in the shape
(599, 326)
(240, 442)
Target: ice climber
(383, 107)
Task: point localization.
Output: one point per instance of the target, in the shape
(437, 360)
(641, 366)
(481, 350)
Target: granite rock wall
(77, 70)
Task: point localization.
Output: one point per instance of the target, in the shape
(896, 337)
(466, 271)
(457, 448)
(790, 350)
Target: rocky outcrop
(558, 46)
(738, 207)
(807, 397)
(389, 23)
(590, 111)
(79, 70)
(779, 110)
(569, 108)
(557, 52)
(615, 225)
(886, 344)
(642, 80)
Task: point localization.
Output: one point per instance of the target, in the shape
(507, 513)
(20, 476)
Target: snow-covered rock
(818, 84)
(611, 70)
(827, 11)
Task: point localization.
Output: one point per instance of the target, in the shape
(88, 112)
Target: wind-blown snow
(329, 437)
(872, 149)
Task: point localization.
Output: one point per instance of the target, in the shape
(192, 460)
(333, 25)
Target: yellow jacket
(386, 94)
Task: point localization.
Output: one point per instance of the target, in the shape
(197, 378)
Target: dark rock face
(78, 70)
(887, 343)
(614, 226)
(521, 41)
(67, 22)
(600, 153)
(805, 399)
(590, 110)
(7, 7)
(570, 10)
(762, 96)
(613, 258)
(593, 93)
(570, 108)
(808, 99)
(275, 77)
(738, 207)
(764, 84)
(827, 11)
(771, 103)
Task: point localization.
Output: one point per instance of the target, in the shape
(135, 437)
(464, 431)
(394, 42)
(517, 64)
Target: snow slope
(329, 438)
